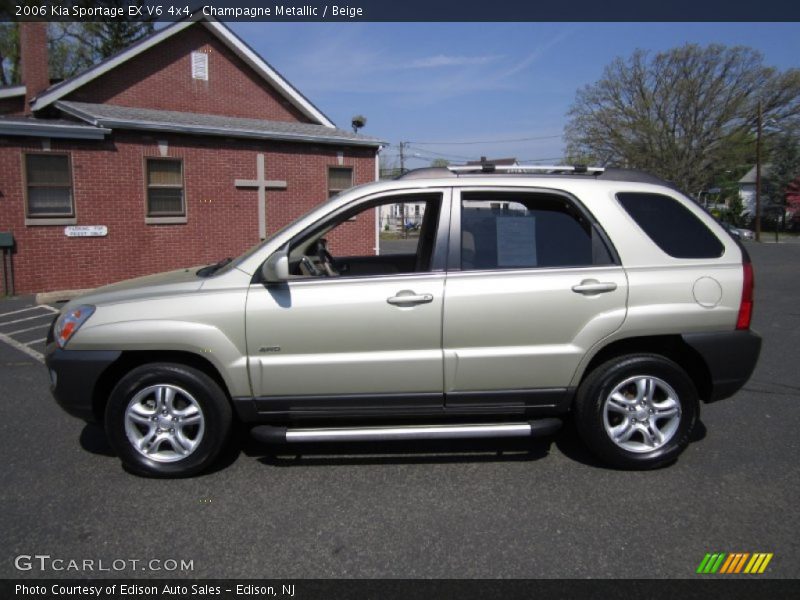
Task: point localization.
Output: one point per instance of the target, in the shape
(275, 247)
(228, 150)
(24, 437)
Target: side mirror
(276, 268)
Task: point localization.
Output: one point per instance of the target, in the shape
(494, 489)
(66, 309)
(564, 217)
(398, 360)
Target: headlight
(69, 322)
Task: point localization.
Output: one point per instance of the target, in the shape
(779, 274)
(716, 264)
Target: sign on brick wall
(86, 231)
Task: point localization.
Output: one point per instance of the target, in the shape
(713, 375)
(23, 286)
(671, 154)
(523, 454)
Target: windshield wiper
(211, 269)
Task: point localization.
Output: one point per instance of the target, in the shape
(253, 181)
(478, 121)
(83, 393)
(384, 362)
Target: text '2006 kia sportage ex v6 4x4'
(603, 295)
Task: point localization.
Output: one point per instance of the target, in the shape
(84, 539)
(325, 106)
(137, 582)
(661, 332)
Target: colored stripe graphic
(765, 563)
(740, 564)
(703, 563)
(711, 563)
(726, 566)
(735, 562)
(718, 563)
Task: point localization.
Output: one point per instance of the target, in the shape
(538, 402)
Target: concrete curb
(59, 296)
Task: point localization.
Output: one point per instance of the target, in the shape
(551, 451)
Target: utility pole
(402, 157)
(403, 206)
(758, 174)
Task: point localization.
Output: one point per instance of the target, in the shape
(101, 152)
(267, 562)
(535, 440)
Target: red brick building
(181, 150)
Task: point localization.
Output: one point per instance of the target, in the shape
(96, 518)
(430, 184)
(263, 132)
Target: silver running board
(272, 434)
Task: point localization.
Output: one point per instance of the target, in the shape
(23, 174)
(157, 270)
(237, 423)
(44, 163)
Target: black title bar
(404, 10)
(364, 589)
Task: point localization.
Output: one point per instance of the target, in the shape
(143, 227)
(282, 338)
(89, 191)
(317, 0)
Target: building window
(339, 179)
(165, 188)
(48, 185)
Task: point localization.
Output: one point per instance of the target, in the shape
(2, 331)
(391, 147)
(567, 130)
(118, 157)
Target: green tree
(686, 115)
(440, 162)
(388, 166)
(75, 47)
(72, 46)
(9, 54)
(68, 52)
(783, 172)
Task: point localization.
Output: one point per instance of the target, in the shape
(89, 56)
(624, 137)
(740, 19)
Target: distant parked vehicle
(739, 233)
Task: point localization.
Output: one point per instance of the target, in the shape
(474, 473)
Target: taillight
(746, 307)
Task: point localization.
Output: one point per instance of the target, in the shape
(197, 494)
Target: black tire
(208, 436)
(592, 416)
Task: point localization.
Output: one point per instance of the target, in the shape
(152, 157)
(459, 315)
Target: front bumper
(730, 356)
(74, 375)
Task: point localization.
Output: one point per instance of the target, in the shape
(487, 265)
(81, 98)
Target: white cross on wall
(261, 185)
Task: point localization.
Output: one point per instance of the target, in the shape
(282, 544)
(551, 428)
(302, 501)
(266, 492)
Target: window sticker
(516, 241)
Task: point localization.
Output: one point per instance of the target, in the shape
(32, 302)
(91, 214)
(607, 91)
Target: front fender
(207, 341)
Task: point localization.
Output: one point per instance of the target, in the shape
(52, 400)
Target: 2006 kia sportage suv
(530, 296)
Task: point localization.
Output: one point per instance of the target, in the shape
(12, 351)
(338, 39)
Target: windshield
(257, 247)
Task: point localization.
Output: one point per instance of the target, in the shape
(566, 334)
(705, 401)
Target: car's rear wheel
(167, 420)
(637, 411)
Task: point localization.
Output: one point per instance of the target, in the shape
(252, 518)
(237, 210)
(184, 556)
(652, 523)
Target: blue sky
(476, 82)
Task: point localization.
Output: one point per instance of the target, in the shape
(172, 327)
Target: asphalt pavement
(511, 509)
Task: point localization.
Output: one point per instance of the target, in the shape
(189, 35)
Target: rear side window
(672, 226)
(517, 230)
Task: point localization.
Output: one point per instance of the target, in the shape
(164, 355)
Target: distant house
(392, 216)
(747, 193)
(747, 190)
(183, 149)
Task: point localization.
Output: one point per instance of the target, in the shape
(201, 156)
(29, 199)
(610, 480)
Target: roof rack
(599, 173)
(554, 169)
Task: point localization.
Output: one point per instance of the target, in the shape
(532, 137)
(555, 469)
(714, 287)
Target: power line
(456, 156)
(524, 160)
(527, 139)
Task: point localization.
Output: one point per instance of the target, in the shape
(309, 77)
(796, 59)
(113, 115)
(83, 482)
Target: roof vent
(200, 66)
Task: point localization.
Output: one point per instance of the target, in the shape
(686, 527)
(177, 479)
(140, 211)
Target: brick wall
(12, 106)
(33, 58)
(161, 78)
(108, 189)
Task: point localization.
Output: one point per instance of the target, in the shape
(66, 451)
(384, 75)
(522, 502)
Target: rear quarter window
(672, 227)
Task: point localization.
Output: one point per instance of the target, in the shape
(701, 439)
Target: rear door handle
(408, 297)
(588, 287)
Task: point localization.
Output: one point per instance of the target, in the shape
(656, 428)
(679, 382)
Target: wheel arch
(672, 347)
(131, 359)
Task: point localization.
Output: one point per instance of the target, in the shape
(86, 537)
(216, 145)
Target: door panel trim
(348, 403)
(525, 398)
(541, 400)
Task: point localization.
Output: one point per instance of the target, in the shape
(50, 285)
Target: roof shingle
(123, 117)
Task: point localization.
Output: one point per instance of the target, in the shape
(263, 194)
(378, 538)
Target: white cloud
(363, 59)
(443, 60)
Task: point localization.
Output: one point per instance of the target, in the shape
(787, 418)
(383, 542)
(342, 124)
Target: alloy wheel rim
(641, 414)
(164, 423)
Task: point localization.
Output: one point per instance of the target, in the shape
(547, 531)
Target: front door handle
(589, 287)
(408, 297)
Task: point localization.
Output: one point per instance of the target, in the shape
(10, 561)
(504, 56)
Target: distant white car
(742, 234)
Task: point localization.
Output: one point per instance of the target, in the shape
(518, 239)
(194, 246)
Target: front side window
(165, 197)
(502, 230)
(344, 246)
(48, 185)
(339, 179)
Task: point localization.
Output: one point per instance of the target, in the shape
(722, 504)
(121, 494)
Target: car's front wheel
(637, 411)
(167, 420)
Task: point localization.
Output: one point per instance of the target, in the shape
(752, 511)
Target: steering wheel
(326, 260)
(309, 268)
